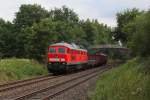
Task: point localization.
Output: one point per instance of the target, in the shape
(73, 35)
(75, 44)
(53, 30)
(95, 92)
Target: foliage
(26, 17)
(34, 28)
(124, 83)
(134, 25)
(96, 33)
(6, 38)
(124, 18)
(29, 14)
(140, 37)
(64, 14)
(16, 69)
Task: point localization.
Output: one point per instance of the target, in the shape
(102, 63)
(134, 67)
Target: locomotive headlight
(62, 59)
(63, 63)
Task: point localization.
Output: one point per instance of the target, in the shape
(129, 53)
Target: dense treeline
(131, 80)
(133, 30)
(34, 28)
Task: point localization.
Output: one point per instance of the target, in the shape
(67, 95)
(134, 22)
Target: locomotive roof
(71, 46)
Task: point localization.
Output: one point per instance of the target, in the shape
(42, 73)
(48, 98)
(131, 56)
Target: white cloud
(103, 10)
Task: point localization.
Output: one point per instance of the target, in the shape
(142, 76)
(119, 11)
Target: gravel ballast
(80, 92)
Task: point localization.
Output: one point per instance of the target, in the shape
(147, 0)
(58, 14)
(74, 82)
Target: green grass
(17, 69)
(127, 82)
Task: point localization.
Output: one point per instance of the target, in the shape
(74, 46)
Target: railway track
(48, 86)
(60, 91)
(11, 83)
(20, 83)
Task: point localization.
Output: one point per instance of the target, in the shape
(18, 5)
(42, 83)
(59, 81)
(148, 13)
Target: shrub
(140, 40)
(124, 83)
(16, 69)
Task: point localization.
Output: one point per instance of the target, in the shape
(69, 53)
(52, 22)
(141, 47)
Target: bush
(16, 69)
(145, 62)
(124, 83)
(140, 39)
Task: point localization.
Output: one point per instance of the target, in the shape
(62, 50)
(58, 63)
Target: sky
(103, 10)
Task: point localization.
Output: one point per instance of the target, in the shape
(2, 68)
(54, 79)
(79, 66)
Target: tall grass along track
(51, 89)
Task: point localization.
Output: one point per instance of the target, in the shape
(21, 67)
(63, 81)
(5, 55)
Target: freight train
(96, 58)
(63, 57)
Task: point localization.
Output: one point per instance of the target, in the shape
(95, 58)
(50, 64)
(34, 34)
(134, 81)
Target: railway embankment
(18, 69)
(52, 87)
(130, 81)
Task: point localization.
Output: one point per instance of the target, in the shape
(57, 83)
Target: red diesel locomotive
(64, 56)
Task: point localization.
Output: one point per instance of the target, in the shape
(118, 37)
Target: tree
(96, 33)
(34, 28)
(25, 18)
(141, 36)
(64, 14)
(123, 18)
(37, 39)
(29, 14)
(103, 36)
(6, 39)
(90, 31)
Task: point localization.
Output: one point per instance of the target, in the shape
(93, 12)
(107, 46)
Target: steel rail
(24, 96)
(70, 87)
(19, 84)
(14, 82)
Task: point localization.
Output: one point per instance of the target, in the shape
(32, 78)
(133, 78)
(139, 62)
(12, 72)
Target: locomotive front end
(56, 59)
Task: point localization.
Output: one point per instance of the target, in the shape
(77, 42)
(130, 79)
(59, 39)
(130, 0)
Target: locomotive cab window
(61, 50)
(52, 50)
